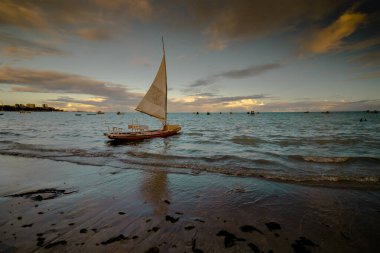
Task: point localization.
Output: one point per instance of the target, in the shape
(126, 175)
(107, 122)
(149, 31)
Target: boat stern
(172, 128)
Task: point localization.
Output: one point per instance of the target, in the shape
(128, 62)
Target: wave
(247, 140)
(325, 159)
(9, 133)
(317, 142)
(278, 172)
(276, 167)
(338, 159)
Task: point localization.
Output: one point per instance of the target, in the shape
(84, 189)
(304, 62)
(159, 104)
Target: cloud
(15, 47)
(202, 102)
(236, 74)
(38, 81)
(89, 19)
(361, 45)
(368, 59)
(370, 63)
(229, 21)
(222, 22)
(331, 37)
(93, 34)
(22, 14)
(369, 75)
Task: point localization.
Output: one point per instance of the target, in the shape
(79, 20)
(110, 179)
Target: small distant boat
(252, 112)
(91, 113)
(307, 112)
(120, 113)
(154, 104)
(78, 114)
(208, 113)
(100, 112)
(24, 111)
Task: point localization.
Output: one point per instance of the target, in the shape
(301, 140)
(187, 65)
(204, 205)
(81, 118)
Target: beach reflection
(154, 189)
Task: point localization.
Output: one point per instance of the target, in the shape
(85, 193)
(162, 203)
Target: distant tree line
(20, 107)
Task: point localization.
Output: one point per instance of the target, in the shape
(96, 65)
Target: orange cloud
(21, 15)
(330, 38)
(93, 34)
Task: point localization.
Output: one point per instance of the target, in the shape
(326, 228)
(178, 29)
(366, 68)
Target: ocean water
(336, 149)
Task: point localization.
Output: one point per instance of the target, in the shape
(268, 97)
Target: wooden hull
(136, 136)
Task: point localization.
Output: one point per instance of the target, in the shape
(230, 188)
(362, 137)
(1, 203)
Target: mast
(166, 82)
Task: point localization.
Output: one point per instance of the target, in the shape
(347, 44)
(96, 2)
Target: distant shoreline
(11, 108)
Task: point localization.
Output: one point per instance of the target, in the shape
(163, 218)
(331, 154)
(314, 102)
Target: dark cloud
(227, 21)
(28, 80)
(221, 21)
(205, 94)
(236, 74)
(88, 18)
(14, 46)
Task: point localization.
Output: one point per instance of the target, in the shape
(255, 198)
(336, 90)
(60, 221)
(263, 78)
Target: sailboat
(154, 104)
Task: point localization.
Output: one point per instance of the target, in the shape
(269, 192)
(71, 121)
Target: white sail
(154, 101)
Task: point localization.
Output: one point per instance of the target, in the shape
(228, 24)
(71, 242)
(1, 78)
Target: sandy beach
(65, 207)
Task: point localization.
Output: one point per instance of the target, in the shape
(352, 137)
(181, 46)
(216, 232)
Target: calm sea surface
(308, 148)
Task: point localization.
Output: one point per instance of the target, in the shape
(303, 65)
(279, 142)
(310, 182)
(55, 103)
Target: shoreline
(70, 207)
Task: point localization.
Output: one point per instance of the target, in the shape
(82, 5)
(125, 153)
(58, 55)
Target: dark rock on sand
(194, 249)
(115, 239)
(249, 228)
(42, 194)
(229, 238)
(135, 237)
(83, 231)
(50, 245)
(167, 202)
(254, 247)
(179, 213)
(27, 225)
(171, 219)
(40, 241)
(121, 213)
(199, 220)
(299, 245)
(19, 218)
(345, 236)
(71, 224)
(273, 226)
(38, 198)
(153, 250)
(40, 212)
(155, 229)
(189, 227)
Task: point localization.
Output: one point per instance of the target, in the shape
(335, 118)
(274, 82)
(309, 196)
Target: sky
(243, 55)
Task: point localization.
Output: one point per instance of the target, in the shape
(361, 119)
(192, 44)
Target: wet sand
(64, 207)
